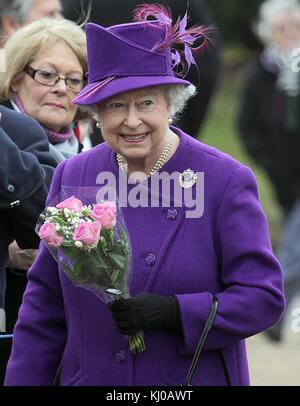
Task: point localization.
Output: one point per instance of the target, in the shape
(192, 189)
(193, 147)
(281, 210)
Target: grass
(220, 131)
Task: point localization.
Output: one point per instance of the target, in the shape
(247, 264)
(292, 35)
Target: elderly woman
(181, 261)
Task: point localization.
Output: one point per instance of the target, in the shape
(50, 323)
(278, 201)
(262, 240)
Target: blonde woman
(46, 66)
(45, 73)
(47, 62)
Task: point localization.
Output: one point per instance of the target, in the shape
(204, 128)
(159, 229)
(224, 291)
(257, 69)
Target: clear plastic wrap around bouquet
(90, 243)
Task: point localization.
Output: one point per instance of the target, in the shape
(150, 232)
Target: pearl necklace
(159, 163)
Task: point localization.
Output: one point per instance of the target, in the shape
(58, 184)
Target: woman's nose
(60, 86)
(132, 119)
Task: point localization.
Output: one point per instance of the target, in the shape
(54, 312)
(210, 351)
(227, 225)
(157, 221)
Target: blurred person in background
(205, 75)
(16, 13)
(269, 120)
(45, 74)
(288, 255)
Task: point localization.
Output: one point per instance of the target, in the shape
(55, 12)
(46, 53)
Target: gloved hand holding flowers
(146, 311)
(91, 247)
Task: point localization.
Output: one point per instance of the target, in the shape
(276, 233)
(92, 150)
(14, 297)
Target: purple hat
(136, 55)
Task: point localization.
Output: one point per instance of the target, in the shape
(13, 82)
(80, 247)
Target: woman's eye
(116, 105)
(47, 75)
(75, 81)
(147, 103)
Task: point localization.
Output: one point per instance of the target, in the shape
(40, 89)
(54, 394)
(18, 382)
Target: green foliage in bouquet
(92, 249)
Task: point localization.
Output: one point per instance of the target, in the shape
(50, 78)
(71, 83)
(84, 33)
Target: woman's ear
(14, 86)
(15, 83)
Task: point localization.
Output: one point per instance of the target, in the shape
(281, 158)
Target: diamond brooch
(187, 178)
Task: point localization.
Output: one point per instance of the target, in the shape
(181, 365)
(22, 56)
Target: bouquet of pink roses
(91, 247)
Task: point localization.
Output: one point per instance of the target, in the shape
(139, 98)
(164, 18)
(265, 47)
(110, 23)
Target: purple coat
(225, 253)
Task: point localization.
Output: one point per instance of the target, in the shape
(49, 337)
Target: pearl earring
(97, 124)
(170, 120)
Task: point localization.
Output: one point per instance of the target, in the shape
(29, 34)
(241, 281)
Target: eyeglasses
(50, 78)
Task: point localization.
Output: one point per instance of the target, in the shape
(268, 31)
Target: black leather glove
(146, 311)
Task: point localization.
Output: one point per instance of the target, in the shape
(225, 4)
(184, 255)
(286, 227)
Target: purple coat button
(120, 356)
(150, 259)
(172, 214)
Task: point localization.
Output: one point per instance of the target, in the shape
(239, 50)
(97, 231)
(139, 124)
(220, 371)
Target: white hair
(267, 11)
(178, 97)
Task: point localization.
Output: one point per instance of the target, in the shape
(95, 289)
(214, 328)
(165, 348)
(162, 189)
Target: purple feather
(188, 56)
(159, 12)
(176, 35)
(175, 57)
(183, 24)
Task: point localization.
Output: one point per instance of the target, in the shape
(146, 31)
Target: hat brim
(91, 95)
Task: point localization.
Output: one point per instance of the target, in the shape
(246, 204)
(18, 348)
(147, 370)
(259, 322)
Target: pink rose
(48, 233)
(105, 214)
(88, 233)
(71, 203)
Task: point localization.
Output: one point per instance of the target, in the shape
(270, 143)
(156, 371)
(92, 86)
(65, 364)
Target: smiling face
(50, 105)
(135, 124)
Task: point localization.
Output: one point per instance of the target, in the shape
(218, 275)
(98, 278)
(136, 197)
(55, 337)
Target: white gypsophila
(67, 212)
(58, 227)
(52, 210)
(78, 244)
